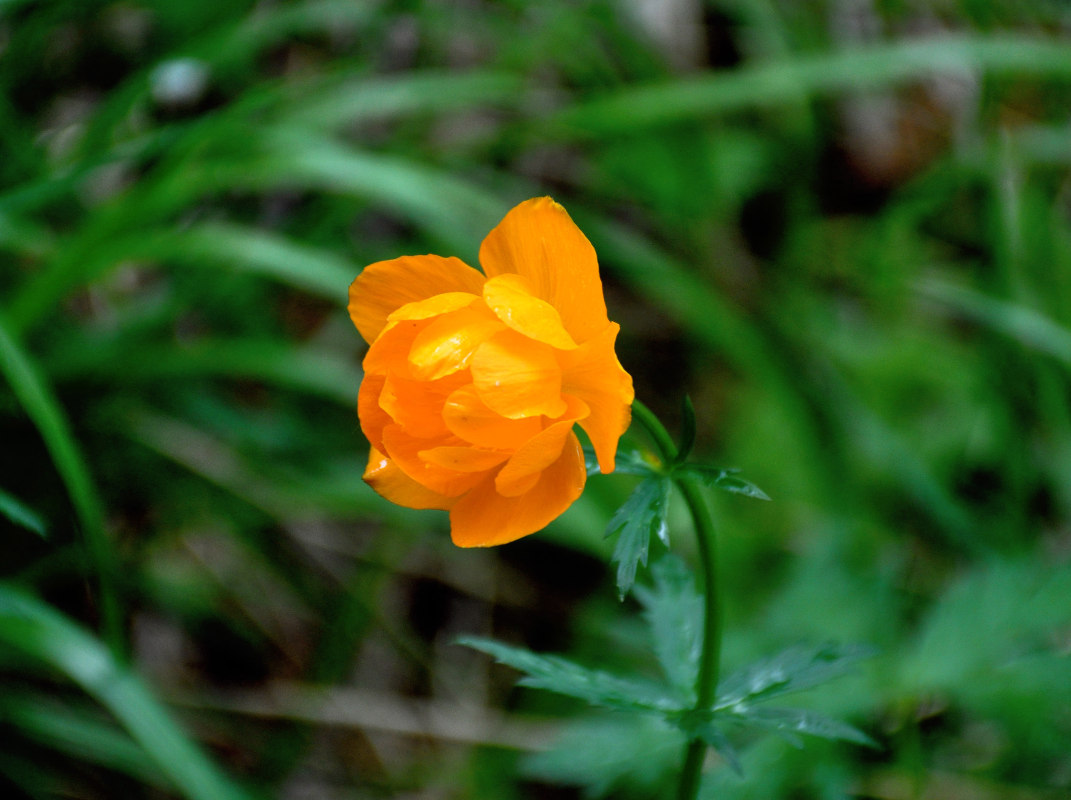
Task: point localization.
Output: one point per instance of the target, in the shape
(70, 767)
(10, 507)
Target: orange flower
(473, 381)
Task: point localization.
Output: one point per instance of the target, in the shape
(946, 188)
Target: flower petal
(483, 517)
(539, 241)
(418, 405)
(386, 286)
(518, 377)
(522, 471)
(448, 343)
(464, 459)
(383, 475)
(510, 298)
(433, 306)
(390, 352)
(372, 417)
(469, 418)
(593, 373)
(404, 450)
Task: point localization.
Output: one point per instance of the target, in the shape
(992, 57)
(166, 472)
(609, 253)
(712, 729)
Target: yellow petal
(538, 240)
(383, 475)
(469, 418)
(510, 298)
(517, 377)
(386, 286)
(522, 471)
(404, 450)
(433, 306)
(390, 352)
(464, 459)
(448, 342)
(593, 374)
(372, 417)
(483, 517)
(418, 405)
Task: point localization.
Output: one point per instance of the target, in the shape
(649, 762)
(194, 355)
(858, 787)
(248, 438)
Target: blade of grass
(40, 631)
(12, 508)
(1030, 328)
(370, 98)
(82, 735)
(306, 369)
(766, 85)
(44, 410)
(314, 270)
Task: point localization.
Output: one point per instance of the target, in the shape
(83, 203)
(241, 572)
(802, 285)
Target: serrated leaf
(632, 753)
(562, 676)
(701, 725)
(791, 721)
(725, 479)
(628, 462)
(684, 449)
(674, 610)
(791, 670)
(641, 516)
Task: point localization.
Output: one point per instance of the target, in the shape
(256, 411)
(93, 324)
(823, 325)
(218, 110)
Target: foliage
(845, 236)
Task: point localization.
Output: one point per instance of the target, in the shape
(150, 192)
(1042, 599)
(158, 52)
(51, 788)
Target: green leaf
(314, 370)
(371, 98)
(674, 611)
(792, 670)
(562, 676)
(81, 734)
(791, 721)
(703, 725)
(43, 408)
(17, 512)
(632, 752)
(684, 449)
(1025, 325)
(640, 517)
(628, 462)
(636, 108)
(312, 269)
(725, 479)
(41, 632)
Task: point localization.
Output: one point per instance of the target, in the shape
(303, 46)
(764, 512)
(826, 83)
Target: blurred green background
(843, 227)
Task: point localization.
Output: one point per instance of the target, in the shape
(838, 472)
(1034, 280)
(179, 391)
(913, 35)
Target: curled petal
(386, 286)
(539, 241)
(372, 417)
(448, 343)
(593, 374)
(405, 451)
(517, 377)
(469, 418)
(483, 517)
(383, 475)
(433, 306)
(510, 298)
(417, 405)
(464, 459)
(522, 470)
(390, 352)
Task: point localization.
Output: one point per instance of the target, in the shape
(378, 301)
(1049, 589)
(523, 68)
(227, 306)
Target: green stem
(706, 684)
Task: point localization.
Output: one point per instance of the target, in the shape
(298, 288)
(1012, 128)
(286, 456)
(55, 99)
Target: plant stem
(666, 448)
(706, 684)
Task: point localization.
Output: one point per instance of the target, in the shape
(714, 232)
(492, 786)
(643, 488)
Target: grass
(851, 247)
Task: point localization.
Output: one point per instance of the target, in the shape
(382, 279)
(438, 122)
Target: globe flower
(474, 381)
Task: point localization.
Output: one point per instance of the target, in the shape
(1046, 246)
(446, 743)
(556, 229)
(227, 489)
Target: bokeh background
(842, 227)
